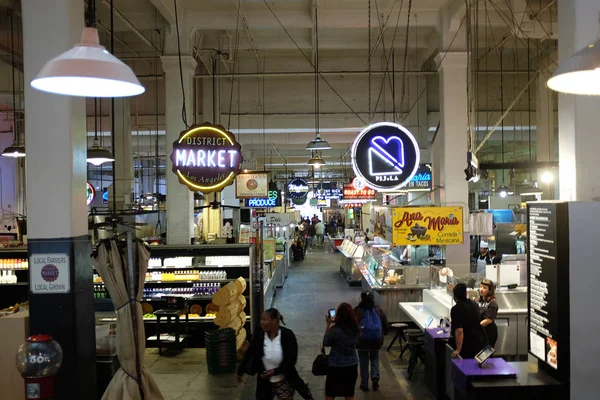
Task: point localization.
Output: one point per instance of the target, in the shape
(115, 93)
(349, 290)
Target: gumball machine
(38, 361)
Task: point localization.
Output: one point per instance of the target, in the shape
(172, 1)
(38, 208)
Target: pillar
(56, 143)
(578, 137)
(180, 205)
(450, 149)
(123, 154)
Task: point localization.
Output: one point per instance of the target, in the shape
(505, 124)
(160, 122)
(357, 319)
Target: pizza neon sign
(206, 158)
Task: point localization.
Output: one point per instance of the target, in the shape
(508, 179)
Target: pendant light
(531, 190)
(503, 191)
(98, 155)
(317, 143)
(580, 73)
(88, 69)
(16, 150)
(316, 161)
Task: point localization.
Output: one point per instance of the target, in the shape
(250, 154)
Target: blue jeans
(365, 356)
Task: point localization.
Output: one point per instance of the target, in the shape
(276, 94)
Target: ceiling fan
(214, 205)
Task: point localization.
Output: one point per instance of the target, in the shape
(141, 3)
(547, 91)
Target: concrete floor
(313, 286)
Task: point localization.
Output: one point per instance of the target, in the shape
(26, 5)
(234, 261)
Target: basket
(221, 351)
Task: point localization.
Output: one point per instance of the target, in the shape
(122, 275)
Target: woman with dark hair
(272, 356)
(466, 330)
(373, 326)
(488, 308)
(342, 335)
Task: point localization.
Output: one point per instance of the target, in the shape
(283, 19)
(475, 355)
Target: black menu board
(543, 282)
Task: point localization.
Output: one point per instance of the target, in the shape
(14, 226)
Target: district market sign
(206, 158)
(386, 156)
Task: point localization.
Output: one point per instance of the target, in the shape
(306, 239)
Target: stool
(415, 340)
(400, 327)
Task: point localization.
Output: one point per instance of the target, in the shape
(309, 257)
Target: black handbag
(320, 365)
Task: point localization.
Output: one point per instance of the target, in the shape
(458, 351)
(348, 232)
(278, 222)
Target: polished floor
(313, 286)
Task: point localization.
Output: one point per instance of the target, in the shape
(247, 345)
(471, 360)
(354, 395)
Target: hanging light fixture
(98, 155)
(503, 191)
(88, 69)
(317, 143)
(16, 150)
(580, 73)
(531, 190)
(316, 161)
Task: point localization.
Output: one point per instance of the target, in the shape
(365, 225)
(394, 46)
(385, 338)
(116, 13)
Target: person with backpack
(373, 327)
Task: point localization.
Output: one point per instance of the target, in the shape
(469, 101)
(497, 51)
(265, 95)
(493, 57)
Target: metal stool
(400, 327)
(415, 340)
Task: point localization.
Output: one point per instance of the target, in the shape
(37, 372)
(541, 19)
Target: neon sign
(422, 180)
(298, 188)
(271, 201)
(385, 156)
(351, 193)
(206, 158)
(91, 193)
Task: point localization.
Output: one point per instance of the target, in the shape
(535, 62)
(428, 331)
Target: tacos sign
(427, 226)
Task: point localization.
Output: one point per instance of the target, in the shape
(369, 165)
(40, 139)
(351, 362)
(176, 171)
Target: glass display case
(350, 254)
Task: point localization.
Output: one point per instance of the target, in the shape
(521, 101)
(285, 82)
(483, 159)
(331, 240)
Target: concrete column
(450, 149)
(123, 153)
(55, 129)
(545, 126)
(578, 137)
(180, 201)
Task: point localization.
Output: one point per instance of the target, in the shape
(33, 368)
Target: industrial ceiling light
(97, 155)
(88, 69)
(16, 150)
(503, 191)
(316, 161)
(531, 190)
(318, 143)
(580, 73)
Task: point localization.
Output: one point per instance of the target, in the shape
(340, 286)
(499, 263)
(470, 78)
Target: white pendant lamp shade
(316, 161)
(532, 190)
(88, 70)
(580, 73)
(15, 151)
(98, 155)
(318, 144)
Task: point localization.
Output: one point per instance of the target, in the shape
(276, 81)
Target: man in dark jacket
(368, 350)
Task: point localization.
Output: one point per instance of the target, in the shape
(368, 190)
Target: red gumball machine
(38, 361)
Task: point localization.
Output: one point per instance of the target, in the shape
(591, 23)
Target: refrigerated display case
(349, 254)
(14, 276)
(391, 282)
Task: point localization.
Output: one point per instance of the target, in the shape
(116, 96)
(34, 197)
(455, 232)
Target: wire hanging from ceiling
(235, 66)
(405, 57)
(183, 107)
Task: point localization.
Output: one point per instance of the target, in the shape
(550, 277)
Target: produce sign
(206, 158)
(427, 225)
(271, 201)
(351, 193)
(252, 185)
(386, 156)
(298, 189)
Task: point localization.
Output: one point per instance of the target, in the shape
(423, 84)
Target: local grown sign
(206, 158)
(427, 225)
(386, 156)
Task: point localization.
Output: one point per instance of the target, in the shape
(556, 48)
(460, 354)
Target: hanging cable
(183, 109)
(236, 65)
(14, 94)
(369, 62)
(405, 57)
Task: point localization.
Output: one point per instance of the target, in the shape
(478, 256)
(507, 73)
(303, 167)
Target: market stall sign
(206, 158)
(422, 181)
(351, 193)
(252, 185)
(50, 273)
(91, 193)
(271, 201)
(298, 188)
(386, 155)
(427, 225)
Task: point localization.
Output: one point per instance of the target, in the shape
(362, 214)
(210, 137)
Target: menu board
(543, 282)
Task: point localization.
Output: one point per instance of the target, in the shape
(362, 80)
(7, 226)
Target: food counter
(350, 253)
(391, 282)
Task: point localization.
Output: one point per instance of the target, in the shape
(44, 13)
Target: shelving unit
(11, 293)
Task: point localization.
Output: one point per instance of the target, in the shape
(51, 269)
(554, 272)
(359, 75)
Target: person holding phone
(341, 335)
(272, 356)
(488, 309)
(466, 329)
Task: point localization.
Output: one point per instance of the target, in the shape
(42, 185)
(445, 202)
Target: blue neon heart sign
(386, 155)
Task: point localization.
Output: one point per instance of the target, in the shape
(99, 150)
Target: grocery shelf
(15, 284)
(200, 281)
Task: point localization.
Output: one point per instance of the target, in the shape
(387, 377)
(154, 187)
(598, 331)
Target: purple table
(431, 335)
(467, 370)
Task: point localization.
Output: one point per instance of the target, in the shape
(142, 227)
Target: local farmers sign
(427, 225)
(49, 273)
(206, 158)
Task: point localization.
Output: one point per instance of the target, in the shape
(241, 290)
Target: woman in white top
(272, 356)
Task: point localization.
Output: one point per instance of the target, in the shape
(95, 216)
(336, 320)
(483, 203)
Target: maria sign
(386, 156)
(427, 225)
(206, 158)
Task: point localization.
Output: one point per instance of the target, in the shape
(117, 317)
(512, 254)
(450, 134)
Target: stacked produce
(232, 302)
